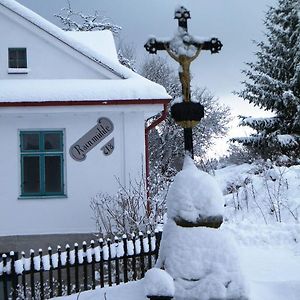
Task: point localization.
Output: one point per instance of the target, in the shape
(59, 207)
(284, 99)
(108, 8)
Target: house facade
(72, 124)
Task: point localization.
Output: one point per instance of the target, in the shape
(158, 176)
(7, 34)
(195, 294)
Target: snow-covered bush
(126, 211)
(261, 191)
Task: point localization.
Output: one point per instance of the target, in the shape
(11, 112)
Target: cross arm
(152, 45)
(214, 45)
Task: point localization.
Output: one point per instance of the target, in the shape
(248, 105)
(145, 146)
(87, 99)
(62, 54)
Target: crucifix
(184, 48)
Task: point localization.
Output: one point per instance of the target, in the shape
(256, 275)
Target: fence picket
(157, 242)
(142, 254)
(50, 272)
(59, 279)
(68, 270)
(109, 263)
(117, 261)
(149, 250)
(125, 258)
(5, 288)
(23, 274)
(101, 263)
(85, 274)
(93, 265)
(134, 275)
(76, 268)
(42, 294)
(32, 288)
(13, 275)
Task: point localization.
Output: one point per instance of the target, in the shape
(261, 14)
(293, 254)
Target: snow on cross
(184, 48)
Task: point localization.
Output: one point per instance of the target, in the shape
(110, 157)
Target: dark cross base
(186, 109)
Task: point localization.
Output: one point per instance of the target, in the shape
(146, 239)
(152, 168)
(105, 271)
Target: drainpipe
(147, 154)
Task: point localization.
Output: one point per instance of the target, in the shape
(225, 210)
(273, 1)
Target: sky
(235, 22)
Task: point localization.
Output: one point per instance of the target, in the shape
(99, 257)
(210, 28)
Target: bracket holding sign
(92, 138)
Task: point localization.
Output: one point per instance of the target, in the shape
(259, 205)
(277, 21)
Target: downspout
(147, 154)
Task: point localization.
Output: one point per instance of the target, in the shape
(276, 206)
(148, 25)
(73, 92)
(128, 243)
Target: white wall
(83, 179)
(48, 58)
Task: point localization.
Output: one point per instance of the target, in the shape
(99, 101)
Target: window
(42, 172)
(17, 58)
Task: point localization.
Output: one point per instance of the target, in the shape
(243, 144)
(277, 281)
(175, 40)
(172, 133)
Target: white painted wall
(48, 58)
(83, 179)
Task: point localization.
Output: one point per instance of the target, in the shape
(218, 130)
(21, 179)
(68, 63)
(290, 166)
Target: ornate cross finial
(182, 15)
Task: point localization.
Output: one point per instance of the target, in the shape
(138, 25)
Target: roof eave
(84, 103)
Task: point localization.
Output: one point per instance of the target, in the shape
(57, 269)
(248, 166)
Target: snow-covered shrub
(261, 191)
(126, 211)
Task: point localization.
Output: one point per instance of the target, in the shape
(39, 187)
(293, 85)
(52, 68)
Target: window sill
(18, 70)
(42, 197)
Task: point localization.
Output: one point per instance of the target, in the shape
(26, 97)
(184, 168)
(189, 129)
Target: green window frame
(42, 163)
(17, 58)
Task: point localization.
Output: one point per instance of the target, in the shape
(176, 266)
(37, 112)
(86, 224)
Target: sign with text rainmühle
(91, 139)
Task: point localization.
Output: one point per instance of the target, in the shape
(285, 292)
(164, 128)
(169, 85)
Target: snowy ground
(269, 251)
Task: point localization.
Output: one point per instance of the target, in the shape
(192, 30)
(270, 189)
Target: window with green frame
(42, 163)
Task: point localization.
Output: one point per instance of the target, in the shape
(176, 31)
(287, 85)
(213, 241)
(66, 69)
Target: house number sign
(92, 138)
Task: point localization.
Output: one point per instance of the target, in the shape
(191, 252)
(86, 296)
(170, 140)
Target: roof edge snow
(69, 90)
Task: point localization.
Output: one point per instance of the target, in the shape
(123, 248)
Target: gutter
(147, 154)
(31, 103)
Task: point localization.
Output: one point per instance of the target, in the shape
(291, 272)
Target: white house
(72, 120)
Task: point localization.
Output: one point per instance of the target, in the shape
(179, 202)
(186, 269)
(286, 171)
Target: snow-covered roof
(99, 41)
(79, 90)
(125, 85)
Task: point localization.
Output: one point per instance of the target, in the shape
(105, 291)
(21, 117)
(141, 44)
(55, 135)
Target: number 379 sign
(92, 138)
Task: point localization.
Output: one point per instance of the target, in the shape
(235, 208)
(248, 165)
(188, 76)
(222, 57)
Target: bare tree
(73, 20)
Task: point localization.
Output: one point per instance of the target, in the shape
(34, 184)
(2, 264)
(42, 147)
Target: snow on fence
(44, 276)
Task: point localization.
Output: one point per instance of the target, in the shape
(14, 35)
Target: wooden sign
(92, 138)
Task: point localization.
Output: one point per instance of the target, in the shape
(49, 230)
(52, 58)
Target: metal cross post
(184, 48)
